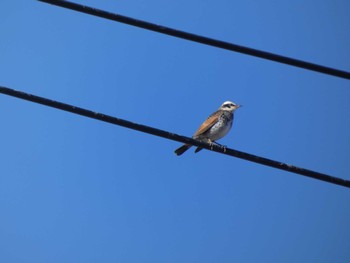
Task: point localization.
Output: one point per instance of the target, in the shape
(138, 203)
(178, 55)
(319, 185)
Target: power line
(200, 39)
(173, 136)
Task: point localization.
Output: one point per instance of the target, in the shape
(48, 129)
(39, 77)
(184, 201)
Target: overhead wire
(200, 39)
(173, 136)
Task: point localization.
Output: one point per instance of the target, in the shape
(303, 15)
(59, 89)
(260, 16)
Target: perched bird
(216, 126)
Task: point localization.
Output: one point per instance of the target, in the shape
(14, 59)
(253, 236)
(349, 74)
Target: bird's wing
(207, 124)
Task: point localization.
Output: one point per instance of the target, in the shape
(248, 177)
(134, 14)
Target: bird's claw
(211, 145)
(223, 147)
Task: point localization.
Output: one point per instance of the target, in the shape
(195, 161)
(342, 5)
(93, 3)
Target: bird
(216, 126)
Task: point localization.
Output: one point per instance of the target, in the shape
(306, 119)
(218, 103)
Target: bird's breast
(221, 127)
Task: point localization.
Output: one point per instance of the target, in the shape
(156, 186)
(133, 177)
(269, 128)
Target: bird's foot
(211, 145)
(223, 147)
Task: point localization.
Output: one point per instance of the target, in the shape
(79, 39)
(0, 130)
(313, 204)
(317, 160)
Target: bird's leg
(211, 144)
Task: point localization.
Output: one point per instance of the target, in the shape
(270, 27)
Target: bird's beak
(238, 106)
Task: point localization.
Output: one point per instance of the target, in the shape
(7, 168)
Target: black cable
(200, 39)
(173, 136)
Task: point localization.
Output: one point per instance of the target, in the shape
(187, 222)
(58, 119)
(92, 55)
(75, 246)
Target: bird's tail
(182, 149)
(198, 149)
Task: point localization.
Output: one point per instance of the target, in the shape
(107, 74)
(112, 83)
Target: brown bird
(216, 126)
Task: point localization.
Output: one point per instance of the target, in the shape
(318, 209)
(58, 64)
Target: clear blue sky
(74, 189)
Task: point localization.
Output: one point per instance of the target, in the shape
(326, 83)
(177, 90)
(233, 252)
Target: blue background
(73, 189)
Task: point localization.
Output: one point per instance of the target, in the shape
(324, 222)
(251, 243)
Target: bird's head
(229, 106)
